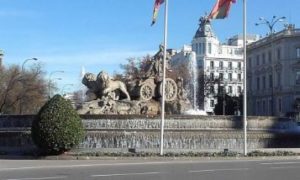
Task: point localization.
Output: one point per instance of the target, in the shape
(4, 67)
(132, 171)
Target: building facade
(273, 73)
(221, 64)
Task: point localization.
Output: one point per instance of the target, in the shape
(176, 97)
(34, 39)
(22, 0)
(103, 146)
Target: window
(212, 89)
(199, 48)
(279, 105)
(271, 81)
(239, 65)
(230, 65)
(274, 106)
(249, 62)
(239, 89)
(199, 63)
(278, 54)
(230, 76)
(221, 90)
(212, 103)
(221, 76)
(221, 64)
(212, 64)
(298, 77)
(212, 77)
(257, 108)
(203, 48)
(264, 106)
(263, 58)
(270, 106)
(264, 82)
(230, 89)
(209, 48)
(239, 77)
(250, 84)
(270, 57)
(257, 83)
(279, 79)
(298, 52)
(257, 60)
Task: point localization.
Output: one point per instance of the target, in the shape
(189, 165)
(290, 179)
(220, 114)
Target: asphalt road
(150, 169)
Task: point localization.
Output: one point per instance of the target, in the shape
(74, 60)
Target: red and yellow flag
(157, 4)
(221, 9)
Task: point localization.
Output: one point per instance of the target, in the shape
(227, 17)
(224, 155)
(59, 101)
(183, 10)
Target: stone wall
(182, 133)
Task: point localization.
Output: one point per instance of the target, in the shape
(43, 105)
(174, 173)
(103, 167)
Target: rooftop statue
(205, 29)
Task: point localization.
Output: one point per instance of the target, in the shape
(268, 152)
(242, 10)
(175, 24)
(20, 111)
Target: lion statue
(109, 85)
(94, 88)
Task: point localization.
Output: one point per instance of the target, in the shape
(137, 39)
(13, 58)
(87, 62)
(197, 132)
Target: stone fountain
(119, 116)
(106, 95)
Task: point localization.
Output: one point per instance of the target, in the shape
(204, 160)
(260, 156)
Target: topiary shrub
(58, 127)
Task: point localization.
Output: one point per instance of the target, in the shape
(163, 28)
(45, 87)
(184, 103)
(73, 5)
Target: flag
(157, 4)
(221, 9)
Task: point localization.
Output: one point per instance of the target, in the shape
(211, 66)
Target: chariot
(148, 88)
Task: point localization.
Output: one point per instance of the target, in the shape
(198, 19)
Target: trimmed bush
(58, 127)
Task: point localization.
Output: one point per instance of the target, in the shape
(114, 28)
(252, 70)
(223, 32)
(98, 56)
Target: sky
(66, 35)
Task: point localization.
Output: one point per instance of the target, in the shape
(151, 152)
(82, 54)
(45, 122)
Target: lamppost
(49, 81)
(26, 60)
(63, 88)
(270, 25)
(21, 79)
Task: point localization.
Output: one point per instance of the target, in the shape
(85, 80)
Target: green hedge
(58, 127)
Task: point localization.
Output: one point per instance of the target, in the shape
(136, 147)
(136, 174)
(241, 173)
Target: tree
(22, 92)
(78, 98)
(206, 87)
(58, 127)
(181, 70)
(231, 104)
(135, 68)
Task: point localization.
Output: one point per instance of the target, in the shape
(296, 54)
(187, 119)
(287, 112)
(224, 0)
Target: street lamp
(63, 88)
(270, 25)
(49, 81)
(26, 60)
(22, 78)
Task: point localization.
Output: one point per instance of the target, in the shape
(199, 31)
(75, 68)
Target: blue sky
(101, 34)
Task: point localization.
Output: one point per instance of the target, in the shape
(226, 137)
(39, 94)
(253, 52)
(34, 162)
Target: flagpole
(245, 76)
(164, 81)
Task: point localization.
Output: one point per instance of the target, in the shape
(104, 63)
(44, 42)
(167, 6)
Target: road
(149, 169)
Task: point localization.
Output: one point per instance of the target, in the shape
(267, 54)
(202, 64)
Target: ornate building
(273, 74)
(221, 64)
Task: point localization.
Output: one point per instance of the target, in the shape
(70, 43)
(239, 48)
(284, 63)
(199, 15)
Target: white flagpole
(245, 75)
(164, 82)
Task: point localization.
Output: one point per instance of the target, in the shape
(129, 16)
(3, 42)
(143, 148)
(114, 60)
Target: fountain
(194, 75)
(194, 86)
(141, 95)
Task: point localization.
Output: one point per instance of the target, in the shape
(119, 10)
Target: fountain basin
(182, 133)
